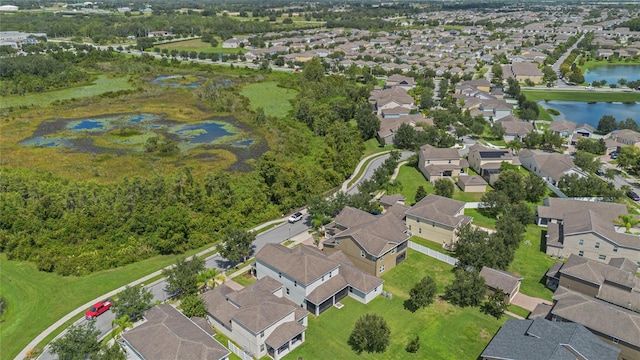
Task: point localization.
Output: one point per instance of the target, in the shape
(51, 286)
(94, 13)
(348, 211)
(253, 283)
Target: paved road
(371, 168)
(561, 59)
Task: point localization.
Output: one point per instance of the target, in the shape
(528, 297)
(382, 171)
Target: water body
(583, 112)
(612, 73)
(167, 81)
(204, 133)
(88, 125)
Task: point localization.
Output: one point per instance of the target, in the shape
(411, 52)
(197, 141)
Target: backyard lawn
(411, 178)
(532, 264)
(446, 331)
(275, 100)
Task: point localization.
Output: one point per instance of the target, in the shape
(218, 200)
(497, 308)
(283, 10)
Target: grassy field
(372, 146)
(543, 114)
(446, 331)
(200, 46)
(275, 100)
(531, 263)
(411, 178)
(593, 63)
(580, 95)
(244, 279)
(100, 85)
(37, 299)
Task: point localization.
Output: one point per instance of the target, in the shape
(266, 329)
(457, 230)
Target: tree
(587, 161)
(120, 325)
(405, 137)
(629, 158)
(627, 220)
(467, 289)
(513, 88)
(629, 123)
(237, 244)
(113, 352)
(413, 345)
(606, 124)
(549, 75)
(594, 146)
(444, 187)
(420, 193)
(497, 131)
(368, 123)
(79, 343)
(132, 302)
(313, 70)
(193, 305)
(182, 278)
(370, 333)
(422, 293)
(515, 145)
(495, 304)
(535, 188)
(496, 79)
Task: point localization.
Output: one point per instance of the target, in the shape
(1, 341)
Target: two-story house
(551, 167)
(402, 81)
(436, 218)
(514, 128)
(437, 163)
(313, 279)
(487, 161)
(625, 137)
(375, 244)
(391, 98)
(554, 209)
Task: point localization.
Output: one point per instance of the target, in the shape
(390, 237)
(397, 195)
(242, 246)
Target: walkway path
(528, 302)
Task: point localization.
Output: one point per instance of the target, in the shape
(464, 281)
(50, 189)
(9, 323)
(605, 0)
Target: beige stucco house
(437, 163)
(436, 218)
(472, 183)
(486, 161)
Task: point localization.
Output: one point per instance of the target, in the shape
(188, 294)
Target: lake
(612, 73)
(583, 112)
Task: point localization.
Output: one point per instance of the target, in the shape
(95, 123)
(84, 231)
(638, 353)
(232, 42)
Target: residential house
(472, 183)
(493, 109)
(508, 284)
(589, 234)
(258, 318)
(167, 334)
(391, 98)
(437, 218)
(233, 43)
(486, 161)
(313, 279)
(389, 126)
(625, 137)
(523, 71)
(551, 167)
(554, 209)
(405, 82)
(388, 201)
(375, 244)
(543, 339)
(514, 128)
(563, 128)
(481, 84)
(437, 163)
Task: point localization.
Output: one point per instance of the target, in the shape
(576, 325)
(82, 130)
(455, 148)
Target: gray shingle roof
(283, 333)
(302, 263)
(379, 235)
(542, 339)
(497, 279)
(439, 209)
(169, 335)
(556, 208)
(430, 152)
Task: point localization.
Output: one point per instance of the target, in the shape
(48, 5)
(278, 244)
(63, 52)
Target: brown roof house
(402, 81)
(495, 279)
(313, 279)
(553, 210)
(543, 339)
(437, 218)
(551, 167)
(375, 244)
(589, 234)
(389, 126)
(486, 161)
(166, 334)
(437, 163)
(523, 71)
(472, 183)
(258, 318)
(515, 129)
(626, 137)
(391, 98)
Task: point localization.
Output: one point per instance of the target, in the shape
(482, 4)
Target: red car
(97, 309)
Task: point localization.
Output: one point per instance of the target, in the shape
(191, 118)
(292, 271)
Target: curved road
(277, 234)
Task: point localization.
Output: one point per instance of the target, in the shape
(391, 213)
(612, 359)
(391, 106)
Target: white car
(295, 217)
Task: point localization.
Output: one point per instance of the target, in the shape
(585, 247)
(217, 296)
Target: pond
(611, 73)
(130, 132)
(590, 113)
(188, 81)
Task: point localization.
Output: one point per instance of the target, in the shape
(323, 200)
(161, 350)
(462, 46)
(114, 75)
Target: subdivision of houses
(315, 280)
(438, 163)
(543, 339)
(551, 167)
(167, 334)
(437, 218)
(258, 317)
(375, 244)
(603, 297)
(487, 161)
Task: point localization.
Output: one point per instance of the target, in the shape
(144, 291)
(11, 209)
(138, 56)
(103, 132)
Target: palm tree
(121, 324)
(514, 146)
(627, 220)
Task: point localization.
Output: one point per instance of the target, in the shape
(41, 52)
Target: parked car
(599, 172)
(613, 155)
(98, 309)
(295, 217)
(633, 196)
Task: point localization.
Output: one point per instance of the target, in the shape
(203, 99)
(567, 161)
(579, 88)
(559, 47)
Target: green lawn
(411, 178)
(532, 264)
(480, 219)
(602, 95)
(431, 245)
(38, 299)
(466, 196)
(244, 279)
(446, 331)
(275, 100)
(372, 146)
(593, 63)
(543, 114)
(100, 85)
(199, 46)
(519, 311)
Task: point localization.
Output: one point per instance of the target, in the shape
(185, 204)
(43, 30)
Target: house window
(409, 227)
(433, 224)
(322, 278)
(262, 334)
(615, 248)
(602, 257)
(393, 251)
(420, 230)
(279, 274)
(287, 291)
(261, 347)
(428, 161)
(362, 253)
(295, 283)
(580, 253)
(380, 258)
(449, 161)
(381, 268)
(418, 221)
(597, 245)
(616, 340)
(581, 242)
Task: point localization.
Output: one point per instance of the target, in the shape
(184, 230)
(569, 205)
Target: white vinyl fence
(434, 254)
(236, 350)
